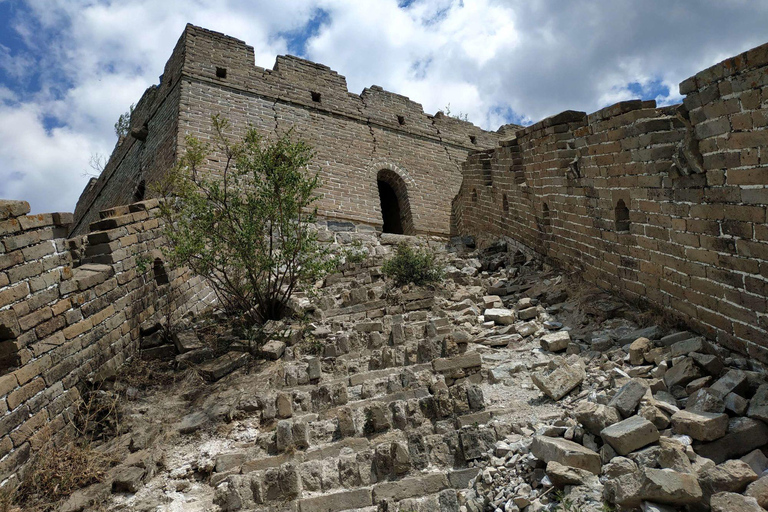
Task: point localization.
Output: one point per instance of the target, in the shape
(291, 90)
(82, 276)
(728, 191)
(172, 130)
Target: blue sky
(69, 68)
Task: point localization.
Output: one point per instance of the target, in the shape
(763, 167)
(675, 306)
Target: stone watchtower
(383, 161)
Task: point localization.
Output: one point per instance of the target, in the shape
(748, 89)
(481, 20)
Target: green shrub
(248, 231)
(410, 265)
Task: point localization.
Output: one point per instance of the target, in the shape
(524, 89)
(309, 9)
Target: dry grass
(56, 472)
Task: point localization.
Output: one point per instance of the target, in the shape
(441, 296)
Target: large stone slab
(596, 417)
(556, 341)
(628, 397)
(566, 453)
(758, 406)
(732, 502)
(223, 365)
(560, 382)
(346, 500)
(447, 364)
(501, 316)
(410, 487)
(663, 486)
(631, 434)
(743, 436)
(702, 426)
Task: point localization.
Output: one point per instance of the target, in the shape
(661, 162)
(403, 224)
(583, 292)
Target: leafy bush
(248, 232)
(409, 265)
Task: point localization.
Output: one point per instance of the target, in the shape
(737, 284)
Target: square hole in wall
(221, 72)
(400, 120)
(473, 139)
(316, 97)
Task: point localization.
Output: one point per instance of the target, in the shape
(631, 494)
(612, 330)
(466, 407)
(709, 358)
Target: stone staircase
(389, 417)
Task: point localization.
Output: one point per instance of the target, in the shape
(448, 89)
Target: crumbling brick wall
(665, 205)
(354, 136)
(71, 309)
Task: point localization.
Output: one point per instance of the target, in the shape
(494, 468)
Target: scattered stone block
(734, 381)
(186, 341)
(560, 382)
(759, 490)
(758, 406)
(223, 365)
(736, 404)
(743, 436)
(596, 417)
(630, 435)
(682, 373)
(561, 475)
(702, 426)
(757, 461)
(273, 349)
(566, 453)
(663, 486)
(501, 316)
(730, 476)
(528, 313)
(127, 479)
(638, 349)
(732, 502)
(628, 397)
(555, 342)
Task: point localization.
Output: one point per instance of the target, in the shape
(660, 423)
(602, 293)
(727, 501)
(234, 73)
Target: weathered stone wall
(71, 309)
(354, 136)
(665, 205)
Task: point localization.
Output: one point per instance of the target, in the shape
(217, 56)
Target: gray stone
(744, 435)
(736, 404)
(704, 400)
(346, 421)
(501, 316)
(284, 405)
(470, 360)
(596, 417)
(702, 426)
(223, 365)
(273, 350)
(730, 476)
(560, 382)
(336, 502)
(314, 368)
(528, 313)
(682, 373)
(759, 490)
(630, 435)
(758, 406)
(757, 461)
(663, 486)
(186, 341)
(561, 475)
(735, 381)
(628, 397)
(732, 502)
(711, 364)
(638, 349)
(127, 479)
(283, 435)
(566, 453)
(556, 341)
(409, 487)
(192, 422)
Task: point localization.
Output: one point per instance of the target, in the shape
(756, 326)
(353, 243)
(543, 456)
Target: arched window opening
(140, 191)
(158, 268)
(505, 203)
(621, 213)
(395, 207)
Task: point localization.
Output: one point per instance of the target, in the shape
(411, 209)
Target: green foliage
(409, 265)
(143, 263)
(461, 116)
(356, 253)
(123, 123)
(248, 231)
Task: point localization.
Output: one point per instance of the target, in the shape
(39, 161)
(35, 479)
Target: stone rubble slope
(509, 387)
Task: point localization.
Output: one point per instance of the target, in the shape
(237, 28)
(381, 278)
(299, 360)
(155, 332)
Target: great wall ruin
(598, 342)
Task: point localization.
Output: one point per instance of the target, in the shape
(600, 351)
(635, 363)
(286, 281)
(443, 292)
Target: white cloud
(488, 58)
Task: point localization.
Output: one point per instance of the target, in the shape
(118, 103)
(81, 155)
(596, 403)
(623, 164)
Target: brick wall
(354, 136)
(71, 309)
(665, 205)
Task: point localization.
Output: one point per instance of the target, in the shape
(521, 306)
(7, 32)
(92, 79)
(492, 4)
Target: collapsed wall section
(665, 205)
(74, 309)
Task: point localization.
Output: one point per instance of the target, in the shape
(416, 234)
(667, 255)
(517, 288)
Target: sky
(69, 68)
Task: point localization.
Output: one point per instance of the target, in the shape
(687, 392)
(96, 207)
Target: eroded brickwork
(354, 136)
(71, 309)
(665, 205)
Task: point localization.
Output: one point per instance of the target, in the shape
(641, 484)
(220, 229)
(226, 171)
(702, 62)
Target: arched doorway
(395, 208)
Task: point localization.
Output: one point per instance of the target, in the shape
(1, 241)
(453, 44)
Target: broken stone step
(410, 487)
(449, 364)
(566, 453)
(631, 434)
(702, 426)
(337, 502)
(223, 365)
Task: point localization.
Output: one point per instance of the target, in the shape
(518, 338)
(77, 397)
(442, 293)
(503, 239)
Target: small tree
(123, 123)
(409, 265)
(249, 231)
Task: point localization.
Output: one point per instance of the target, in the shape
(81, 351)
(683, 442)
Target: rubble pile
(509, 387)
